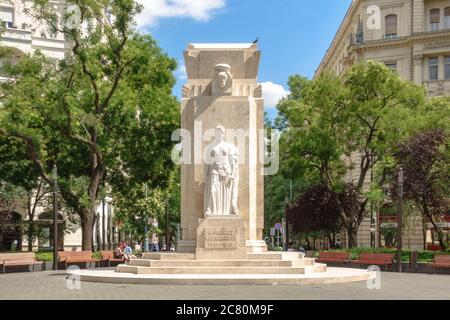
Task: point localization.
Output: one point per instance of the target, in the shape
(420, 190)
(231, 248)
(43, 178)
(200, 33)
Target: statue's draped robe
(221, 181)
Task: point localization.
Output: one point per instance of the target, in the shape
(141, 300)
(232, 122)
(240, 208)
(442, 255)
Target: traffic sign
(278, 226)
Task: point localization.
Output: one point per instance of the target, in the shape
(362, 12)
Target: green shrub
(422, 256)
(47, 256)
(44, 256)
(97, 255)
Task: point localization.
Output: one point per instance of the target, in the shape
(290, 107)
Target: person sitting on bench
(119, 253)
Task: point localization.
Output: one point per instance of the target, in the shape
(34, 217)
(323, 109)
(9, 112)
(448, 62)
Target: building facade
(24, 36)
(413, 38)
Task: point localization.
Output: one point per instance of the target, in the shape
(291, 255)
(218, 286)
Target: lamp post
(285, 225)
(399, 220)
(55, 218)
(167, 227)
(287, 201)
(146, 246)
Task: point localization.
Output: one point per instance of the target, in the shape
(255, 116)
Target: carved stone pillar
(222, 90)
(418, 69)
(418, 16)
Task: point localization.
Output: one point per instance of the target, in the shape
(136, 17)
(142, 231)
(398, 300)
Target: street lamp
(146, 245)
(55, 218)
(399, 220)
(167, 226)
(286, 226)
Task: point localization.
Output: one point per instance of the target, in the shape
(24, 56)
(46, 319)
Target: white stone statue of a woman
(221, 177)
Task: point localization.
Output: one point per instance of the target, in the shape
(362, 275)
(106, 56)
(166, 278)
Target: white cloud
(181, 73)
(273, 93)
(200, 10)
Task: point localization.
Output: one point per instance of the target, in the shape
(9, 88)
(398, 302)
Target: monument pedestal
(187, 246)
(221, 238)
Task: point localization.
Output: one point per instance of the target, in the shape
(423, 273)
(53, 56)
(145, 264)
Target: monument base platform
(331, 276)
(257, 268)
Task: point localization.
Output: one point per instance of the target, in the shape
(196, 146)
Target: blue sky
(294, 34)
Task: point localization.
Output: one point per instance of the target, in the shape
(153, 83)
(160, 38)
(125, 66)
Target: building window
(392, 66)
(447, 68)
(447, 18)
(433, 68)
(391, 26)
(435, 19)
(7, 17)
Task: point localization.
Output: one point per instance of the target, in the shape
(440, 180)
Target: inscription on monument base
(220, 238)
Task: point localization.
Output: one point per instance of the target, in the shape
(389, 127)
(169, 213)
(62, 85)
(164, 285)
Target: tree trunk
(352, 236)
(424, 231)
(331, 241)
(87, 230)
(30, 235)
(439, 233)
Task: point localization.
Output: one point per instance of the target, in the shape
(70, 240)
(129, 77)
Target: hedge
(422, 256)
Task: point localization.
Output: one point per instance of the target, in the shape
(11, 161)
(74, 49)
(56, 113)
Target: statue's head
(223, 74)
(220, 133)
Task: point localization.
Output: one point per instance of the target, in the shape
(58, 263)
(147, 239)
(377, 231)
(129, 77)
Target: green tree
(425, 159)
(133, 209)
(136, 204)
(316, 210)
(104, 114)
(338, 126)
(17, 170)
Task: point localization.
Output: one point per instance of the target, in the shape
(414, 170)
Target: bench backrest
(334, 255)
(389, 257)
(25, 256)
(442, 259)
(75, 254)
(107, 255)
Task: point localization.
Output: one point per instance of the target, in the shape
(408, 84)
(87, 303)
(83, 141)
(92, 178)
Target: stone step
(331, 276)
(215, 263)
(219, 270)
(276, 256)
(168, 256)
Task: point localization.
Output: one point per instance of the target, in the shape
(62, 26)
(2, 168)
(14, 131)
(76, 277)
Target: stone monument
(222, 186)
(221, 181)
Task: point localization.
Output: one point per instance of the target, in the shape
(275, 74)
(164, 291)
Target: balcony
(437, 88)
(11, 33)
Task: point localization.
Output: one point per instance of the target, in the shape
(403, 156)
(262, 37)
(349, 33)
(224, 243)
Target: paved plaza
(52, 285)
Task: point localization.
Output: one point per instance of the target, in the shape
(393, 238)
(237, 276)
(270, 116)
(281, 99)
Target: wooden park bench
(19, 259)
(334, 257)
(385, 259)
(109, 257)
(442, 261)
(76, 257)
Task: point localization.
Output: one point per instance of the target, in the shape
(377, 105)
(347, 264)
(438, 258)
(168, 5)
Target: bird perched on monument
(256, 40)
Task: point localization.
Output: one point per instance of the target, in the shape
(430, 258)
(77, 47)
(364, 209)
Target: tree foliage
(104, 114)
(339, 129)
(317, 209)
(425, 159)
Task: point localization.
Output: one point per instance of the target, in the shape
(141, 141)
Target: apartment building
(413, 38)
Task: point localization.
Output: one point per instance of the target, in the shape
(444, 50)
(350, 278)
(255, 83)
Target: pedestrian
(127, 251)
(138, 248)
